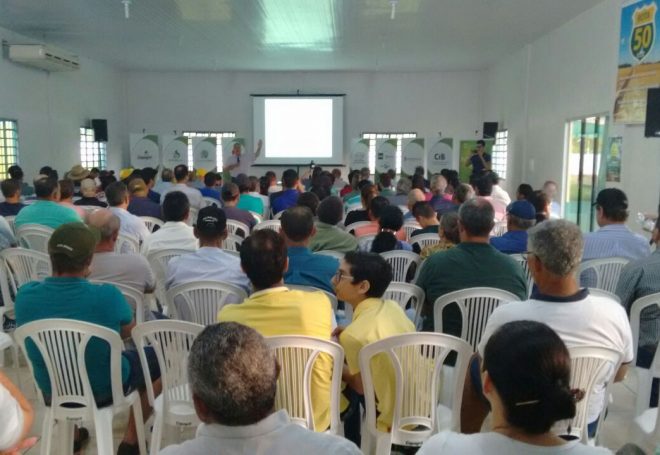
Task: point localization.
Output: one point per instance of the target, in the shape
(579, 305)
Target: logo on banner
(145, 155)
(176, 155)
(642, 36)
(205, 154)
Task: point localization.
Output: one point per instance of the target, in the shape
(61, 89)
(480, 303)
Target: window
(372, 147)
(8, 144)
(92, 153)
(218, 135)
(500, 152)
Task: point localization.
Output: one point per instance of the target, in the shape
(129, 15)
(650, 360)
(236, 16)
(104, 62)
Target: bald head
(106, 222)
(415, 195)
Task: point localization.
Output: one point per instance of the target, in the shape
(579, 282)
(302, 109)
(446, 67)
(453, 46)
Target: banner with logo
(231, 149)
(440, 155)
(412, 155)
(359, 154)
(205, 155)
(175, 150)
(385, 155)
(145, 151)
(639, 60)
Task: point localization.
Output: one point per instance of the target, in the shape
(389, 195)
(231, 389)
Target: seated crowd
(319, 271)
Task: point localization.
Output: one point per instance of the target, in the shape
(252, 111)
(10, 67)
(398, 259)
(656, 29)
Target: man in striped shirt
(613, 239)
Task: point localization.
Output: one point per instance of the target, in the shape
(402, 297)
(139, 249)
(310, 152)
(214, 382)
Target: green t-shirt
(46, 213)
(251, 203)
(467, 265)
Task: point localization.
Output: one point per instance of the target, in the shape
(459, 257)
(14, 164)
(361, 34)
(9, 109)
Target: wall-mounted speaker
(100, 127)
(489, 130)
(652, 126)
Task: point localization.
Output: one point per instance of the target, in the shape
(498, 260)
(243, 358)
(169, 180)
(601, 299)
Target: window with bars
(218, 135)
(8, 145)
(500, 153)
(372, 147)
(92, 153)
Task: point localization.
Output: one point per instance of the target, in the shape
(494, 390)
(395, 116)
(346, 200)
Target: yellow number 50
(642, 37)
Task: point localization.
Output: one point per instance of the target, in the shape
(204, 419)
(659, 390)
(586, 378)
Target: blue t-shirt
(308, 269)
(512, 242)
(154, 196)
(286, 199)
(80, 300)
(210, 192)
(9, 209)
(477, 166)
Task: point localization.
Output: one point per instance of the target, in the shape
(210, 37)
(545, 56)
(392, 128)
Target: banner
(440, 155)
(175, 150)
(385, 155)
(359, 154)
(613, 166)
(412, 155)
(231, 147)
(639, 60)
(205, 155)
(145, 151)
(466, 150)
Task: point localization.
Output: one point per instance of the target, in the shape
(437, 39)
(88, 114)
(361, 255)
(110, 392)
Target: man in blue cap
(520, 216)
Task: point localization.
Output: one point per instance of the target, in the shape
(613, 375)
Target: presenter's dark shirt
(478, 167)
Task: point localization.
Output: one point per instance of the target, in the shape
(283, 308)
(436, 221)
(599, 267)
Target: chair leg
(103, 427)
(139, 425)
(644, 380)
(156, 434)
(47, 432)
(65, 436)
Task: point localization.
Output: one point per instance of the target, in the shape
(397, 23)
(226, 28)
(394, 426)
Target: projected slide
(298, 130)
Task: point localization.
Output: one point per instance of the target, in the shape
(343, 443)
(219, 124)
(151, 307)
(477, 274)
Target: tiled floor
(618, 428)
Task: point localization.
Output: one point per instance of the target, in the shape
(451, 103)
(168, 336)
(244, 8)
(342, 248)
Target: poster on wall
(639, 60)
(205, 156)
(467, 148)
(175, 150)
(412, 155)
(145, 151)
(232, 148)
(613, 165)
(385, 155)
(359, 153)
(440, 155)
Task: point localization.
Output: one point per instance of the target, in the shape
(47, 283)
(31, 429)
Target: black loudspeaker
(489, 130)
(652, 126)
(100, 127)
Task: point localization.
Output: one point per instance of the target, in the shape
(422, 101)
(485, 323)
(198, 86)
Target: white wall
(51, 107)
(425, 103)
(568, 73)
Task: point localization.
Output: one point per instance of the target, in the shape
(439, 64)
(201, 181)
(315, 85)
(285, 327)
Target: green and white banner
(359, 153)
(145, 151)
(175, 150)
(231, 149)
(205, 155)
(385, 155)
(440, 155)
(412, 155)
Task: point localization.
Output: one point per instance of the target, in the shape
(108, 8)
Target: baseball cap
(211, 220)
(75, 240)
(522, 209)
(612, 198)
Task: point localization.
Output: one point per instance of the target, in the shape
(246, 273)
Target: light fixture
(127, 8)
(393, 3)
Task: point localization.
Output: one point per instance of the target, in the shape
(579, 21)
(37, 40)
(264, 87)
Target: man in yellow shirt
(361, 281)
(274, 310)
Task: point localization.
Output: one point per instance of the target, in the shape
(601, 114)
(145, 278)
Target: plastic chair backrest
(331, 296)
(268, 224)
(636, 309)
(499, 229)
(528, 273)
(335, 254)
(34, 237)
(237, 228)
(417, 360)
(296, 356)
(406, 294)
(602, 273)
(158, 261)
(476, 306)
(151, 222)
(404, 264)
(278, 215)
(424, 240)
(192, 216)
(409, 227)
(200, 301)
(358, 224)
(209, 201)
(258, 217)
(232, 243)
(11, 221)
(20, 266)
(127, 244)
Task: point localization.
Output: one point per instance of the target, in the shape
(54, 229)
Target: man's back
(46, 213)
(171, 235)
(129, 269)
(252, 203)
(210, 192)
(131, 224)
(206, 263)
(308, 269)
(512, 242)
(283, 201)
(245, 217)
(193, 194)
(329, 237)
(144, 206)
(615, 240)
(10, 209)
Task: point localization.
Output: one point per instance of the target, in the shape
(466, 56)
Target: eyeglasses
(340, 274)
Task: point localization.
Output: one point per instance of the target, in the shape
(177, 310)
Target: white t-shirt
(130, 269)
(172, 234)
(591, 321)
(495, 444)
(11, 419)
(193, 194)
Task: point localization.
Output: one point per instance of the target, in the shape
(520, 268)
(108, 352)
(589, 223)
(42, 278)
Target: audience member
(484, 188)
(390, 223)
(498, 193)
(75, 176)
(45, 210)
(614, 238)
(376, 206)
(274, 310)
(361, 281)
(426, 216)
(88, 195)
(541, 203)
(289, 194)
(16, 417)
(339, 184)
(117, 195)
(254, 191)
(140, 203)
(166, 177)
(420, 183)
(181, 176)
(230, 197)
(71, 296)
(471, 263)
(439, 201)
(403, 187)
(524, 192)
(305, 268)
(212, 181)
(447, 233)
(309, 200)
(386, 186)
(66, 198)
(419, 170)
(11, 190)
(248, 201)
(525, 402)
(328, 236)
(149, 176)
(351, 201)
(16, 173)
(415, 195)
(520, 216)
(49, 172)
(351, 188)
(367, 193)
(579, 318)
(550, 190)
(175, 233)
(235, 401)
(462, 193)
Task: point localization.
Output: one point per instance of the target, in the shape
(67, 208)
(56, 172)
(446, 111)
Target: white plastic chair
(151, 222)
(17, 267)
(409, 227)
(331, 296)
(158, 261)
(34, 237)
(11, 221)
(406, 294)
(62, 344)
(135, 299)
(334, 254)
(209, 201)
(365, 242)
(192, 216)
(602, 293)
(590, 366)
(297, 356)
(234, 227)
(419, 372)
(171, 340)
(528, 273)
(358, 224)
(602, 273)
(268, 224)
(424, 240)
(644, 375)
(499, 229)
(200, 301)
(404, 264)
(476, 306)
(232, 243)
(127, 244)
(258, 217)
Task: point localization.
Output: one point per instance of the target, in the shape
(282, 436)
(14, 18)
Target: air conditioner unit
(43, 57)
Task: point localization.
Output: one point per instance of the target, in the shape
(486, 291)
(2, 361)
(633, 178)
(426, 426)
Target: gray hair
(476, 216)
(521, 223)
(403, 186)
(438, 184)
(105, 221)
(558, 244)
(232, 370)
(463, 192)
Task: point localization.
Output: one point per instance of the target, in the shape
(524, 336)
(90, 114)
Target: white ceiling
(265, 35)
